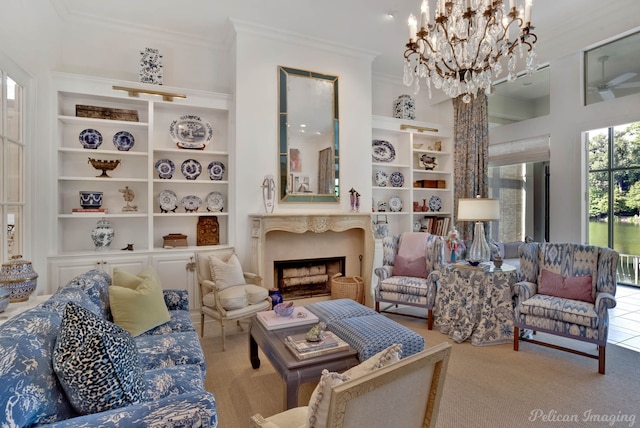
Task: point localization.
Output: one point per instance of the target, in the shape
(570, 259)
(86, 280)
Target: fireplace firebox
(305, 278)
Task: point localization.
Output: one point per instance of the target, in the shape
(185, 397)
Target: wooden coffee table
(294, 372)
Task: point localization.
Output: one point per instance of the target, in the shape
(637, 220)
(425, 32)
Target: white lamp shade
(478, 209)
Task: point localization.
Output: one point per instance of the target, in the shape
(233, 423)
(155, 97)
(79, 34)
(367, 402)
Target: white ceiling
(562, 26)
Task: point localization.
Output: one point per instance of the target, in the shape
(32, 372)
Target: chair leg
(377, 306)
(601, 358)
(222, 333)
(516, 338)
(201, 325)
(430, 320)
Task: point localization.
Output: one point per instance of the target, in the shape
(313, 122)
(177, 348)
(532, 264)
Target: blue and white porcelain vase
(275, 296)
(102, 235)
(151, 66)
(405, 107)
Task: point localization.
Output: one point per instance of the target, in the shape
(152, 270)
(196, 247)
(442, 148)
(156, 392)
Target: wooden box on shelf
(174, 240)
(96, 112)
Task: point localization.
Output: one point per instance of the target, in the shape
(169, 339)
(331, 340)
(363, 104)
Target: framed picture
(301, 184)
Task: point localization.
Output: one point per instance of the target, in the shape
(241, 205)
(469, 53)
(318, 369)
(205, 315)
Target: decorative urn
(102, 235)
(18, 277)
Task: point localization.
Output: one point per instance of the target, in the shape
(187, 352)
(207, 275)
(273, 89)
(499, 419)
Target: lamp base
(479, 251)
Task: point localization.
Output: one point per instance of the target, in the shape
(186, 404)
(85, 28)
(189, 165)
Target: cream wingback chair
(381, 392)
(226, 292)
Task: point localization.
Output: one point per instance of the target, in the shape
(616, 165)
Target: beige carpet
(490, 386)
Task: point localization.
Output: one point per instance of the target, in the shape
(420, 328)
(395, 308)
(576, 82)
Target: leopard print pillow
(89, 347)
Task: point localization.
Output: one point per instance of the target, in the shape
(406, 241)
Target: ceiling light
(461, 45)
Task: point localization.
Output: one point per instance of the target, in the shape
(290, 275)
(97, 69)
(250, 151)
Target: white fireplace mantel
(262, 224)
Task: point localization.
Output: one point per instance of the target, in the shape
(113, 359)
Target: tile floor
(624, 319)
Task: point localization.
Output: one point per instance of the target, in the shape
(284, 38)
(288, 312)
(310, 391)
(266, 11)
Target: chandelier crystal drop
(459, 48)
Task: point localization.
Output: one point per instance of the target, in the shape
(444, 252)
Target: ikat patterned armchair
(566, 289)
(410, 272)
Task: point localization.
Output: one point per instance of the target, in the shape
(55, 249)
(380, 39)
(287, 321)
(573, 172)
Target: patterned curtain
(471, 150)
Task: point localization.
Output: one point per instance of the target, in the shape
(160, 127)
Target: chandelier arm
(484, 36)
(453, 71)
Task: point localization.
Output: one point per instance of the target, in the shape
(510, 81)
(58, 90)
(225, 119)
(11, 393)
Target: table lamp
(479, 210)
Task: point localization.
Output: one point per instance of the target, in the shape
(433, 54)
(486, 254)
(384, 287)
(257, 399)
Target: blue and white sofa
(170, 360)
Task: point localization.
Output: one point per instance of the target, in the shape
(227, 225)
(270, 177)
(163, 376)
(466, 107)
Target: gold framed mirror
(308, 136)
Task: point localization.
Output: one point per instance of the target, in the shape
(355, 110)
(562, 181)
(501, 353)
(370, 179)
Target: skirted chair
(226, 292)
(410, 272)
(566, 289)
(374, 394)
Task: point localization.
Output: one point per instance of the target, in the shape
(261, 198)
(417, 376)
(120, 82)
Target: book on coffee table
(273, 321)
(315, 349)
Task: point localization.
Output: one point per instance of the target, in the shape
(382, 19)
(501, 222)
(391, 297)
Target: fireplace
(304, 236)
(297, 279)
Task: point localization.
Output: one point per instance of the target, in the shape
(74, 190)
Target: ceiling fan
(605, 90)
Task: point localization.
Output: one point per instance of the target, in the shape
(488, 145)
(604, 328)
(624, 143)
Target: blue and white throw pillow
(96, 362)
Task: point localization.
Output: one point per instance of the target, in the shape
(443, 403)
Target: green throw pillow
(137, 301)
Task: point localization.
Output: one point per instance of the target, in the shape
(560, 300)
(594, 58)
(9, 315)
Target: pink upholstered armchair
(566, 289)
(410, 272)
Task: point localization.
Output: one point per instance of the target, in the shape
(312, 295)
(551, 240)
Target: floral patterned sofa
(170, 360)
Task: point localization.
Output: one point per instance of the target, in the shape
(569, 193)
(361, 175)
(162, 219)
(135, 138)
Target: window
(614, 189)
(12, 144)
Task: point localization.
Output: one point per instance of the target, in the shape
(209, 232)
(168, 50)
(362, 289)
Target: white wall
(258, 53)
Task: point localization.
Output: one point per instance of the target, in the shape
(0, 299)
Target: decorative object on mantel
(268, 193)
(405, 107)
(151, 66)
(354, 200)
(128, 196)
(102, 235)
(18, 277)
(104, 165)
(208, 231)
(464, 42)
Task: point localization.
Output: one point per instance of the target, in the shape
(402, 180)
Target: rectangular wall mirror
(308, 136)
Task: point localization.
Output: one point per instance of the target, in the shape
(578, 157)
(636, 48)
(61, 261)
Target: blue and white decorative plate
(382, 151)
(123, 140)
(191, 132)
(191, 169)
(216, 170)
(191, 203)
(382, 179)
(167, 201)
(397, 179)
(90, 138)
(435, 203)
(214, 201)
(165, 168)
(395, 204)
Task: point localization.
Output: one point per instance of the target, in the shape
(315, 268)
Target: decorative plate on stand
(191, 169)
(395, 204)
(90, 138)
(215, 202)
(216, 170)
(382, 151)
(191, 203)
(382, 178)
(191, 132)
(167, 201)
(397, 179)
(123, 140)
(165, 168)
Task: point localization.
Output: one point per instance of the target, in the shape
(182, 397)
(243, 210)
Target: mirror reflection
(308, 109)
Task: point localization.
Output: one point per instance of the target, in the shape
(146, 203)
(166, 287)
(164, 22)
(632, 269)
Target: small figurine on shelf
(354, 200)
(455, 244)
(128, 196)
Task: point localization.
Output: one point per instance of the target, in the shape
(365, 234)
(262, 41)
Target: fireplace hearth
(297, 279)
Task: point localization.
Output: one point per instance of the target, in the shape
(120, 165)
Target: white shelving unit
(73, 251)
(419, 138)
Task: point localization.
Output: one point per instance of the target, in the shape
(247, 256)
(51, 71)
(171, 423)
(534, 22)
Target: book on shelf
(88, 210)
(340, 345)
(436, 225)
(300, 316)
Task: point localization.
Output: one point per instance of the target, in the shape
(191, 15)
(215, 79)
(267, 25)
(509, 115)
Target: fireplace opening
(305, 278)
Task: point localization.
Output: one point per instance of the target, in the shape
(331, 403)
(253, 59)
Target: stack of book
(302, 349)
(300, 316)
(89, 210)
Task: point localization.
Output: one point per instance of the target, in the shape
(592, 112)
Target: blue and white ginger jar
(102, 235)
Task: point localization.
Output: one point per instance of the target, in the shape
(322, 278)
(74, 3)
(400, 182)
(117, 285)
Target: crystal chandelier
(461, 45)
